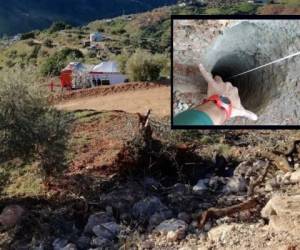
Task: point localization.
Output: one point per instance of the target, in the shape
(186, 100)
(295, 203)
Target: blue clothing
(192, 117)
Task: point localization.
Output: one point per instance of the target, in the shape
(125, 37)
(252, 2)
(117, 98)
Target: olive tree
(30, 128)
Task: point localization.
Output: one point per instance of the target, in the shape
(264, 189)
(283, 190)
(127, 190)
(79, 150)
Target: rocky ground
(171, 190)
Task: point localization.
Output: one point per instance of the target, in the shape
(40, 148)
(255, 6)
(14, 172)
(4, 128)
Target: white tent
(108, 72)
(76, 67)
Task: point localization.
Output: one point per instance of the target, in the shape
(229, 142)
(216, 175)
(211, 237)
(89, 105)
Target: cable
(276, 61)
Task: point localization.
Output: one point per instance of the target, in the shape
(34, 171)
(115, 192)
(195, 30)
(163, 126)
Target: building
(96, 37)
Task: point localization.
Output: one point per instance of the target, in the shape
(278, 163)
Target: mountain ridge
(19, 16)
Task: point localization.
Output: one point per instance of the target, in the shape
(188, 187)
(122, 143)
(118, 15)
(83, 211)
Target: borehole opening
(254, 87)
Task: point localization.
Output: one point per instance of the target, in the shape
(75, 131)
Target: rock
(59, 244)
(145, 208)
(295, 176)
(148, 244)
(151, 184)
(70, 246)
(297, 166)
(287, 177)
(101, 243)
(235, 185)
(154, 220)
(174, 229)
(283, 213)
(109, 211)
(11, 215)
(268, 187)
(201, 186)
(184, 216)
(220, 233)
(107, 231)
(97, 219)
(83, 242)
(123, 198)
(179, 188)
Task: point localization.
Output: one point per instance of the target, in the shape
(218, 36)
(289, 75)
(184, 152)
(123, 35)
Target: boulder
(107, 231)
(283, 213)
(83, 242)
(11, 215)
(235, 185)
(295, 176)
(101, 243)
(174, 229)
(145, 208)
(201, 186)
(59, 244)
(97, 219)
(220, 233)
(70, 246)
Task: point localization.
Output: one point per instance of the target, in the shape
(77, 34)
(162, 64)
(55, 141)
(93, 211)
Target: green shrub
(143, 66)
(122, 61)
(55, 63)
(10, 63)
(57, 26)
(12, 54)
(35, 52)
(30, 128)
(30, 43)
(28, 35)
(48, 43)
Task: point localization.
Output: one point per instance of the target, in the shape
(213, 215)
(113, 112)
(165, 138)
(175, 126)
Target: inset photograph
(235, 72)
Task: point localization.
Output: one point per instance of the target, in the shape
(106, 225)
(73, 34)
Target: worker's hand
(216, 86)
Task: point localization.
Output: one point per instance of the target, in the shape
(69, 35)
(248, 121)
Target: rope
(267, 64)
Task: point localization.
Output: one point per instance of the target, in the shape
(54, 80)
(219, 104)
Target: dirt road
(140, 100)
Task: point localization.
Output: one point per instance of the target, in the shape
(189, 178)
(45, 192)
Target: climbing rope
(267, 64)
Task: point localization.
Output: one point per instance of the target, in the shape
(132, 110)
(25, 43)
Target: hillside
(149, 31)
(24, 15)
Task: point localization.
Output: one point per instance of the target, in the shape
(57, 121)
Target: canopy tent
(75, 67)
(108, 72)
(78, 75)
(106, 67)
(71, 72)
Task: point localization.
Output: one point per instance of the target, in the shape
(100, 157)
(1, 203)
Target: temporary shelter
(108, 73)
(73, 75)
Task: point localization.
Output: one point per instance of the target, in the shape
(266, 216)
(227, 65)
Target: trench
(249, 44)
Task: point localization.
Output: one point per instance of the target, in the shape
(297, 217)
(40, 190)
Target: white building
(96, 37)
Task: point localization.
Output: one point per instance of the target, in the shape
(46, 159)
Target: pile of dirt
(225, 178)
(103, 90)
(128, 97)
(272, 9)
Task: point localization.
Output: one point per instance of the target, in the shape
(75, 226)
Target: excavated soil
(129, 97)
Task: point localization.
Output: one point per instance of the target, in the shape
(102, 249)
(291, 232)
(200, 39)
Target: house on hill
(96, 37)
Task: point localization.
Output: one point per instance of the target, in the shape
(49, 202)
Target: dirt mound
(278, 10)
(99, 141)
(103, 90)
(129, 98)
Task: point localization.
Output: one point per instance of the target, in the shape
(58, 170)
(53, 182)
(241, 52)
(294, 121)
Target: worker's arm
(205, 114)
(222, 103)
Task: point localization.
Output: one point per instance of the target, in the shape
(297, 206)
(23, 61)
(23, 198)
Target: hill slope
(24, 15)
